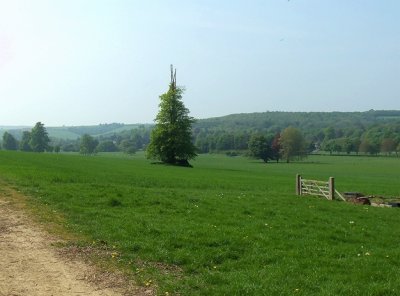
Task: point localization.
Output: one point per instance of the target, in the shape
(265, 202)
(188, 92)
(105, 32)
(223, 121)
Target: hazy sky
(77, 62)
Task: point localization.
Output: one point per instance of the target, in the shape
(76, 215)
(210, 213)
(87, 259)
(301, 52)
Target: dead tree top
(173, 77)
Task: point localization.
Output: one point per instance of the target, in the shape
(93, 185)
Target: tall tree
(171, 138)
(388, 145)
(88, 145)
(276, 147)
(39, 141)
(293, 144)
(9, 142)
(368, 146)
(24, 144)
(259, 148)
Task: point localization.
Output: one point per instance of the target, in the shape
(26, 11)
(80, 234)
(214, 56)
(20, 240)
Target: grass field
(229, 226)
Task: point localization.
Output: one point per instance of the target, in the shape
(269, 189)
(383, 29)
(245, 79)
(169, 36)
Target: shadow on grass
(184, 164)
(288, 163)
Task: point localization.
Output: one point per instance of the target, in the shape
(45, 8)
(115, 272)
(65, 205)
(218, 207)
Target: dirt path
(30, 265)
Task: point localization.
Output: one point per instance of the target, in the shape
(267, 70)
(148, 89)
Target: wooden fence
(317, 188)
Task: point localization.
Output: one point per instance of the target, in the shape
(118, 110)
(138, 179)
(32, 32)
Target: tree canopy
(88, 145)
(260, 148)
(24, 143)
(9, 142)
(293, 144)
(39, 139)
(171, 138)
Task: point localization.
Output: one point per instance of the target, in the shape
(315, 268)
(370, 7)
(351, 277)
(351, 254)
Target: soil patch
(31, 264)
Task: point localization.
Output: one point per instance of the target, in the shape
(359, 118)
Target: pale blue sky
(77, 62)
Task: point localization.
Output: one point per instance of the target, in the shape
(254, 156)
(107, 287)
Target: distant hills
(271, 121)
(321, 129)
(371, 128)
(74, 132)
(306, 121)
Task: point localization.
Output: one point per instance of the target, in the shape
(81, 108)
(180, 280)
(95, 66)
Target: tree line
(36, 140)
(176, 137)
(379, 138)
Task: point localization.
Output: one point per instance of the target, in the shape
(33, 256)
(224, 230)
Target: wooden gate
(317, 188)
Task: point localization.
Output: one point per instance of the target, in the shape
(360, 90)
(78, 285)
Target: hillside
(74, 132)
(271, 121)
(330, 131)
(308, 122)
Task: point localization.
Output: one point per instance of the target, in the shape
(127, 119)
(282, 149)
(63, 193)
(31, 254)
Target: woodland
(372, 132)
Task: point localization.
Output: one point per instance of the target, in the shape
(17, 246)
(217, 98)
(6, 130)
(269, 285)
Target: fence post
(332, 188)
(298, 184)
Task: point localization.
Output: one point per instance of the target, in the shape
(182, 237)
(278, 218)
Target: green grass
(229, 226)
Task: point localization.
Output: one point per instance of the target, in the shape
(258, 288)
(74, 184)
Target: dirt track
(30, 265)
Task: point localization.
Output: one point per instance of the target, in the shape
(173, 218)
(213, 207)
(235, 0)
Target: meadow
(228, 226)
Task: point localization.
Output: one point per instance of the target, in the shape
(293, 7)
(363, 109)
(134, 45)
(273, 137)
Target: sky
(84, 62)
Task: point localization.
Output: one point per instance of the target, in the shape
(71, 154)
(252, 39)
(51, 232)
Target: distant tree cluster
(383, 138)
(288, 145)
(36, 140)
(128, 142)
(371, 132)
